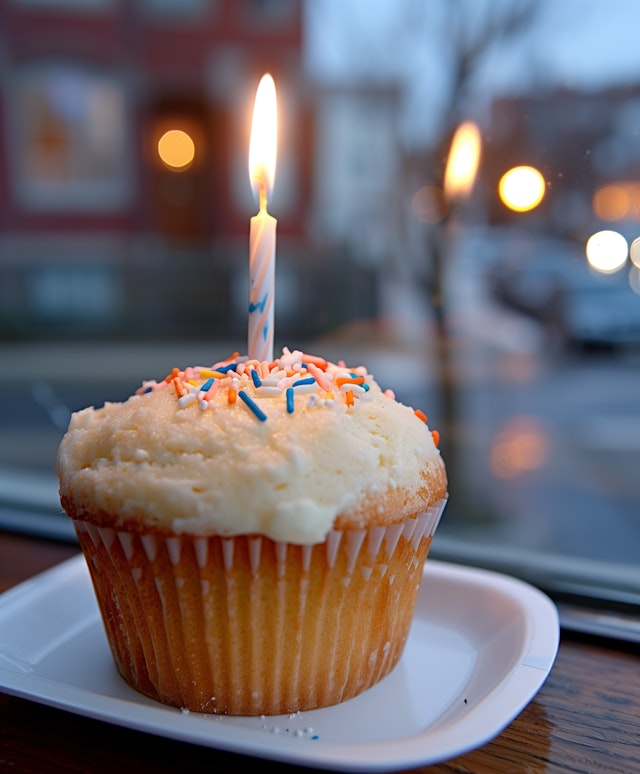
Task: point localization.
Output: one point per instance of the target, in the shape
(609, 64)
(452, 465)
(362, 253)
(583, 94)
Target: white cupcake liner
(246, 625)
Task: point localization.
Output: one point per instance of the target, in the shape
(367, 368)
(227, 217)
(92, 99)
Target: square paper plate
(480, 648)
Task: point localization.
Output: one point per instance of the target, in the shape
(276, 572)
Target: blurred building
(584, 144)
(97, 233)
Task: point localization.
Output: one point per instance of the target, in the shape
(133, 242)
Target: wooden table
(586, 718)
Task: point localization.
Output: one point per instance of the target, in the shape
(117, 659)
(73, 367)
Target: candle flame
(462, 164)
(263, 143)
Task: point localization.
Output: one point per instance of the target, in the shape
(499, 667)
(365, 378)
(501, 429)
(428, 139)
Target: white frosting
(215, 468)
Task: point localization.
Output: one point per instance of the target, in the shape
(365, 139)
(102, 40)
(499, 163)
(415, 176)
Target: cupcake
(255, 532)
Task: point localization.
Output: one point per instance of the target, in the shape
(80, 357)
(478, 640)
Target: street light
(521, 188)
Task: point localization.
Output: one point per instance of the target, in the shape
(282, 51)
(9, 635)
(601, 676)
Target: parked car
(578, 306)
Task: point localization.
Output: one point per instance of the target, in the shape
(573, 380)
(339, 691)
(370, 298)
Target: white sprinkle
(267, 390)
(303, 389)
(185, 400)
(355, 388)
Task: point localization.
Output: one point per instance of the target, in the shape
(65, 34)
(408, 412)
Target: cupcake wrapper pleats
(248, 626)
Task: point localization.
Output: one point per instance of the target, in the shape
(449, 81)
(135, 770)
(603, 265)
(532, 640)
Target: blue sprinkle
(257, 381)
(252, 405)
(300, 382)
(290, 402)
(227, 368)
(149, 389)
(207, 385)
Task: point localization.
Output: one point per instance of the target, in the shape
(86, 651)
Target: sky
(584, 44)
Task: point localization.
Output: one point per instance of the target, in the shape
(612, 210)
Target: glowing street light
(521, 188)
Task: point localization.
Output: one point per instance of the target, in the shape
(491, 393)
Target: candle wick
(262, 196)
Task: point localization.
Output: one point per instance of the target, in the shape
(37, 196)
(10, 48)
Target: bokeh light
(429, 204)
(634, 252)
(611, 202)
(607, 251)
(519, 447)
(634, 280)
(176, 150)
(521, 188)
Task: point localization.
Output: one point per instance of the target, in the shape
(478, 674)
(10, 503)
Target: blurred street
(542, 447)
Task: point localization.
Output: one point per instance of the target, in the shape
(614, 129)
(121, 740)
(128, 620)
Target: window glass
(460, 183)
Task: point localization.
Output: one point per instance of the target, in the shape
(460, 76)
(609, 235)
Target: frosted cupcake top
(287, 449)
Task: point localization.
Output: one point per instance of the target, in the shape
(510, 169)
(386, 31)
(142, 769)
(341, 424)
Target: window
(512, 320)
(68, 139)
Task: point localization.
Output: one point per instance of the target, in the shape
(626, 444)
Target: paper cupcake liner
(248, 626)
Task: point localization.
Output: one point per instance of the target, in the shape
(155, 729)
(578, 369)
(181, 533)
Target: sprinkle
(421, 415)
(226, 368)
(227, 360)
(232, 394)
(179, 386)
(290, 401)
(318, 362)
(209, 373)
(356, 389)
(349, 397)
(390, 394)
(349, 380)
(257, 381)
(301, 382)
(207, 385)
(268, 390)
(185, 400)
(174, 373)
(317, 374)
(436, 437)
(212, 391)
(253, 406)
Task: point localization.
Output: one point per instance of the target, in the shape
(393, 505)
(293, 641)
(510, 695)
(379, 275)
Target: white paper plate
(480, 648)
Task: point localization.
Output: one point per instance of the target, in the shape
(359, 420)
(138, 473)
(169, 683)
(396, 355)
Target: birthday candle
(262, 233)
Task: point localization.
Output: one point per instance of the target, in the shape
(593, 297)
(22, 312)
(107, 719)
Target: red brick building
(94, 228)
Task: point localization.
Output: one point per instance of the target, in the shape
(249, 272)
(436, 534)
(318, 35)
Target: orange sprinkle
(421, 415)
(348, 394)
(179, 386)
(349, 380)
(232, 394)
(436, 437)
(319, 376)
(212, 390)
(319, 362)
(170, 377)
